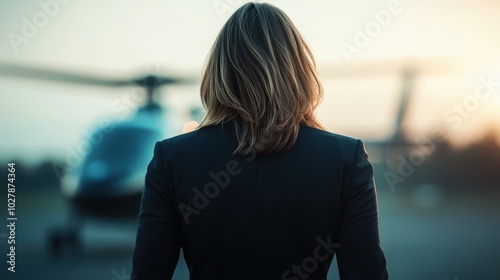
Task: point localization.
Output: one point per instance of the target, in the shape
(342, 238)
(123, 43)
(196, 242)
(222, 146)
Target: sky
(126, 38)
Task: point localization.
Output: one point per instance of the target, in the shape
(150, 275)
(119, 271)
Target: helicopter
(109, 180)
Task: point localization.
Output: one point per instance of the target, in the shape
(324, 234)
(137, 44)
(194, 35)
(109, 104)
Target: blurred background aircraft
(419, 81)
(109, 179)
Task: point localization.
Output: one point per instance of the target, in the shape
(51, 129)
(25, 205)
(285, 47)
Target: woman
(260, 191)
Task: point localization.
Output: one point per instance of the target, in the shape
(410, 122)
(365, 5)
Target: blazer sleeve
(359, 255)
(158, 244)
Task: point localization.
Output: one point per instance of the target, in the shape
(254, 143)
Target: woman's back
(266, 216)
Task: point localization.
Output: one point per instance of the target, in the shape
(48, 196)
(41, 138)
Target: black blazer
(258, 217)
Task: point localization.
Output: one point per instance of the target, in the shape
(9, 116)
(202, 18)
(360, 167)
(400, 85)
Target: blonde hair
(261, 75)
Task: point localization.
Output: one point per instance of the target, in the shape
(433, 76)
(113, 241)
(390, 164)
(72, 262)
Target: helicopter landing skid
(66, 237)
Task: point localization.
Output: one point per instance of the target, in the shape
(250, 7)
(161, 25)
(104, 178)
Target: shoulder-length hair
(261, 75)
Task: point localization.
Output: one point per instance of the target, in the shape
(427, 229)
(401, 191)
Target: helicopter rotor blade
(439, 66)
(178, 80)
(36, 73)
(154, 81)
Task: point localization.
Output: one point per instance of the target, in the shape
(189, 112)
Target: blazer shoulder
(343, 141)
(175, 140)
(187, 140)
